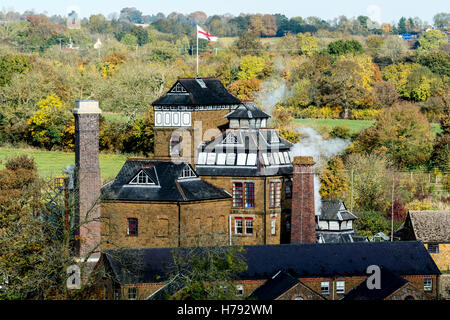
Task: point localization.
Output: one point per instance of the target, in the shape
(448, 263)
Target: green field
(51, 163)
(354, 125)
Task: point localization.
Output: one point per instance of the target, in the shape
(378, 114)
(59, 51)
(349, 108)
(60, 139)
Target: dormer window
(178, 88)
(142, 178)
(187, 173)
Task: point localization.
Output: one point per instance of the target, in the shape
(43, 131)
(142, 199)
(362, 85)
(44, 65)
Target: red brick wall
(302, 217)
(88, 181)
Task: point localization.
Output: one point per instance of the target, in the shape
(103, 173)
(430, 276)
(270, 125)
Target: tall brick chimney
(303, 214)
(87, 176)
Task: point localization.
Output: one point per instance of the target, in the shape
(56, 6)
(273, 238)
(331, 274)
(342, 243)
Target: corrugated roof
(299, 260)
(167, 186)
(213, 94)
(431, 226)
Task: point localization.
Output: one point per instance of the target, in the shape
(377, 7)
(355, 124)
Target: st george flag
(202, 34)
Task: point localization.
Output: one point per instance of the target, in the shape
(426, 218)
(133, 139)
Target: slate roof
(276, 286)
(247, 110)
(335, 210)
(431, 226)
(214, 94)
(167, 185)
(299, 260)
(389, 283)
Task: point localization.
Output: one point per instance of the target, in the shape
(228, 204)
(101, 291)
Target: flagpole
(197, 51)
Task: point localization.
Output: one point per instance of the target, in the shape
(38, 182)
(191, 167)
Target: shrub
(364, 114)
(45, 127)
(399, 211)
(342, 132)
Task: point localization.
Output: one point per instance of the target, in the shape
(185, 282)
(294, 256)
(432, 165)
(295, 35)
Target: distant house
(335, 223)
(290, 271)
(433, 229)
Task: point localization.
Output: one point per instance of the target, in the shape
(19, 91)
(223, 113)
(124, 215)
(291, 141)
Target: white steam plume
(321, 150)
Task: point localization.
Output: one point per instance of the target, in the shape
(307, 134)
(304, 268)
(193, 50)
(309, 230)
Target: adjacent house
(433, 229)
(290, 271)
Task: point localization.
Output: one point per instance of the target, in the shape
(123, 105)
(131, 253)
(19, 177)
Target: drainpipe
(333, 288)
(229, 227)
(265, 214)
(179, 224)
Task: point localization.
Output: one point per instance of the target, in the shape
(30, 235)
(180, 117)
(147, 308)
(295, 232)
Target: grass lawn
(353, 125)
(50, 163)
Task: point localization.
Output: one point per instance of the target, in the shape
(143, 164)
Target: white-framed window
(248, 225)
(178, 88)
(274, 194)
(428, 285)
(187, 173)
(340, 287)
(141, 178)
(240, 290)
(433, 248)
(238, 225)
(132, 293)
(273, 226)
(325, 287)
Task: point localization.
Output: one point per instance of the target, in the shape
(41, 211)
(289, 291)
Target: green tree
(441, 20)
(249, 43)
(402, 133)
(251, 67)
(437, 61)
(432, 40)
(129, 40)
(208, 273)
(308, 44)
(402, 25)
(342, 46)
(12, 64)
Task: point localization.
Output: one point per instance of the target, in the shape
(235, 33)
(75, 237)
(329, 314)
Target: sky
(378, 10)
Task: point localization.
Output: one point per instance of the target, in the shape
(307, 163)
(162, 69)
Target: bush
(320, 113)
(45, 127)
(342, 132)
(371, 222)
(365, 114)
(399, 211)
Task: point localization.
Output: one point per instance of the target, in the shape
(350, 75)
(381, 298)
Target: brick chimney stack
(303, 214)
(87, 176)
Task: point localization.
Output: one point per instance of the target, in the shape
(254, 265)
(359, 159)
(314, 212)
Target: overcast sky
(378, 10)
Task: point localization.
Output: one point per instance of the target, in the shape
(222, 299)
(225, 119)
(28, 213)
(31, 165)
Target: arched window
(409, 297)
(174, 146)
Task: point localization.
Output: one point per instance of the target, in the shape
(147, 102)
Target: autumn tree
(208, 273)
(333, 180)
(45, 128)
(402, 133)
(341, 86)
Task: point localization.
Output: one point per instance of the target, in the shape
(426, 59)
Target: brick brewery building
(220, 176)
